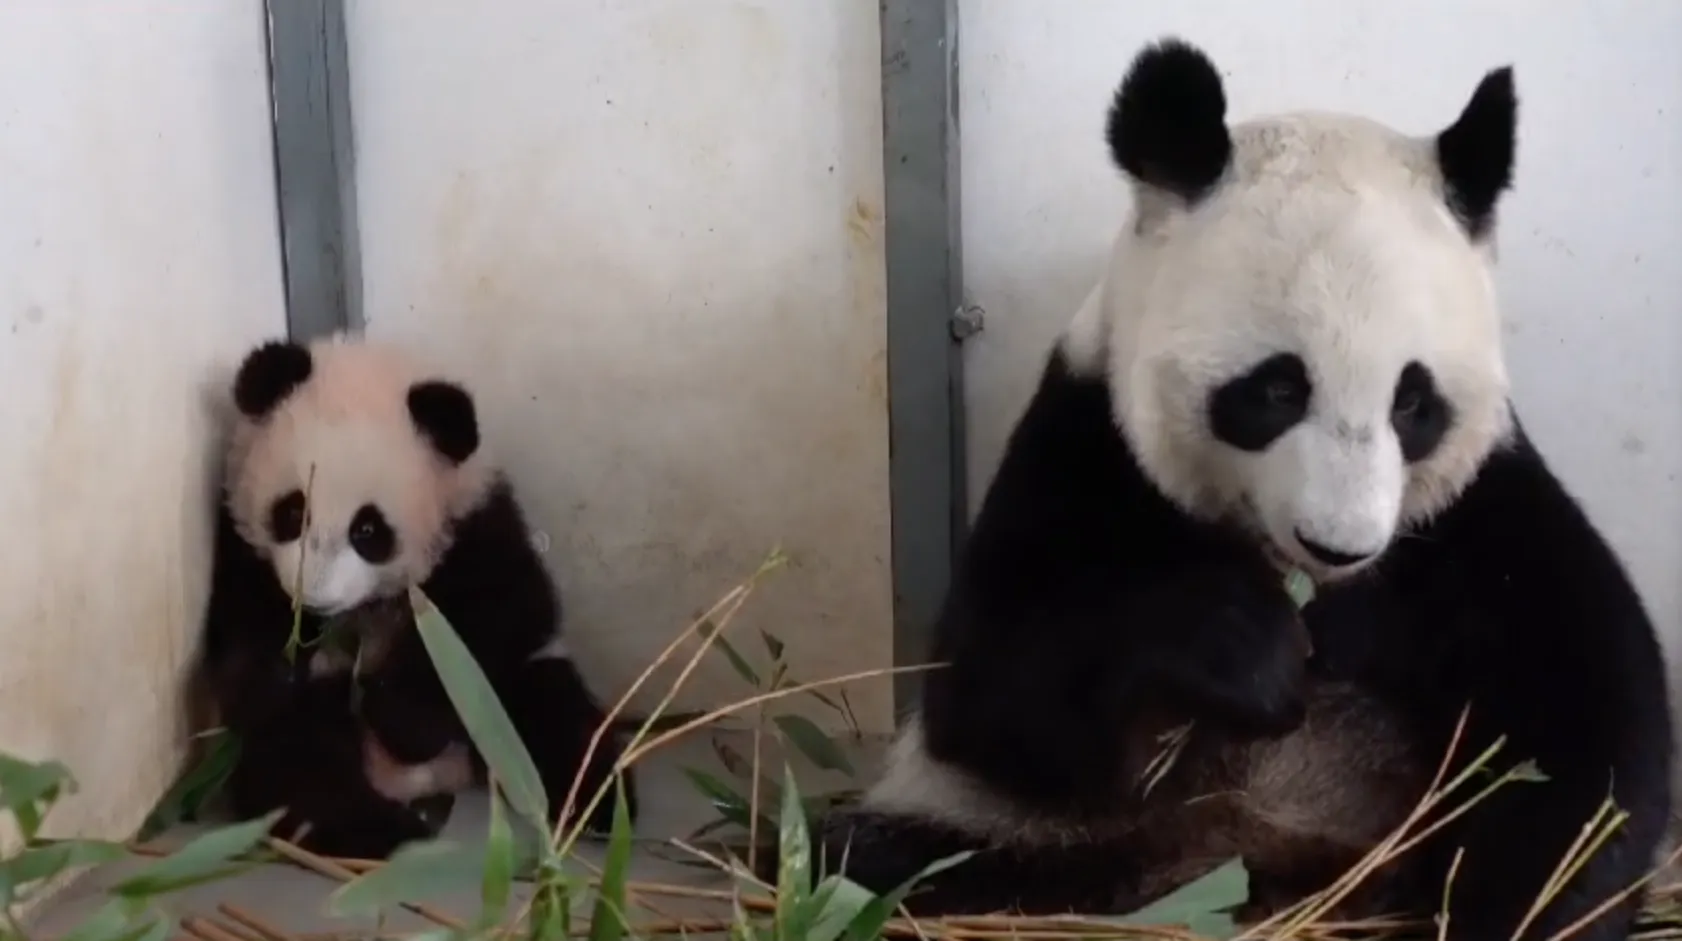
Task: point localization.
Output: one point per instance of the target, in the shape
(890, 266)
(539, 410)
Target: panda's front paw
(1234, 649)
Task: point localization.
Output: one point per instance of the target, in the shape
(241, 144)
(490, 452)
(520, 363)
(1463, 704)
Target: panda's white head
(388, 455)
(1300, 322)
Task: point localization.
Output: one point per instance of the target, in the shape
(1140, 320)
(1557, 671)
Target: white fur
(334, 578)
(1330, 239)
(555, 649)
(450, 772)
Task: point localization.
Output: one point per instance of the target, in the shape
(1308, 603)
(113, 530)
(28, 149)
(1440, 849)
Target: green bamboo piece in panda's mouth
(1300, 586)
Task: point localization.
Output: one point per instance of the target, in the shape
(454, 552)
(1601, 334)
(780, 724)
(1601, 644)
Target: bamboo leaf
(730, 805)
(794, 864)
(842, 901)
(29, 789)
(205, 858)
(867, 925)
(811, 741)
(120, 919)
(414, 873)
(45, 862)
(1201, 904)
(608, 921)
(737, 661)
(487, 722)
(188, 796)
(498, 880)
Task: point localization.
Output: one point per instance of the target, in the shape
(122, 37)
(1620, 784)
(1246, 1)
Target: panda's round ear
(443, 412)
(1477, 152)
(269, 374)
(1167, 126)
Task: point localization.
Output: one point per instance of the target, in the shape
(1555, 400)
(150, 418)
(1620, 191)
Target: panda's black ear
(1167, 125)
(269, 374)
(443, 411)
(1476, 153)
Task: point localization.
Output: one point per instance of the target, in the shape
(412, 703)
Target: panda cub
(1294, 363)
(352, 474)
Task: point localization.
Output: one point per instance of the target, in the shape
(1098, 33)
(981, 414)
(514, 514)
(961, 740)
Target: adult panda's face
(347, 468)
(1304, 334)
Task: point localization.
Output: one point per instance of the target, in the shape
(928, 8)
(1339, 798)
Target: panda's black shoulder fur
(1083, 592)
(300, 745)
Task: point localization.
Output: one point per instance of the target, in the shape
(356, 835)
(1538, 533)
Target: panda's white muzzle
(334, 578)
(1330, 499)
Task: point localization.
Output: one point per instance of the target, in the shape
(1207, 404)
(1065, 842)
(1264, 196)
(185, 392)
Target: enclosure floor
(295, 899)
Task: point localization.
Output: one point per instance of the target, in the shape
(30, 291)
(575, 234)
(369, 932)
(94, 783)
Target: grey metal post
(315, 172)
(925, 320)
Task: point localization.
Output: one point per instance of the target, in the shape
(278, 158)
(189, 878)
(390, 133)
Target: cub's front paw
(1234, 648)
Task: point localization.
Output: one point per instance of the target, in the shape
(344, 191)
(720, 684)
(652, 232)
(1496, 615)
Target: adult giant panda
(1294, 364)
(348, 454)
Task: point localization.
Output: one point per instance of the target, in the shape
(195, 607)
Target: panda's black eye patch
(371, 536)
(1253, 410)
(286, 517)
(1419, 413)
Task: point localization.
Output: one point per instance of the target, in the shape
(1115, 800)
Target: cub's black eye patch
(371, 536)
(1419, 413)
(1253, 410)
(286, 517)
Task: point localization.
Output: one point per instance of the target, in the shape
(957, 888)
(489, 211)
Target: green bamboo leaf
(29, 789)
(1204, 901)
(417, 871)
(773, 646)
(867, 925)
(45, 862)
(498, 881)
(818, 748)
(188, 796)
(729, 804)
(551, 914)
(481, 712)
(841, 902)
(205, 858)
(608, 921)
(737, 661)
(121, 919)
(794, 864)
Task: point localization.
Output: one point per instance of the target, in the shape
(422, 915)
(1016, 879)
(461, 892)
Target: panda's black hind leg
(883, 851)
(556, 715)
(314, 770)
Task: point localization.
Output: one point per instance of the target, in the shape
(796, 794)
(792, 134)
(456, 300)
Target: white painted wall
(649, 234)
(1595, 223)
(138, 255)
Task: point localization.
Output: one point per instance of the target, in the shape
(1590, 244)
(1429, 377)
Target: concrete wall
(650, 236)
(138, 255)
(1595, 341)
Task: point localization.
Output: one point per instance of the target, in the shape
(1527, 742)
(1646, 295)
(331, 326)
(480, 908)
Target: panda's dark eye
(1419, 413)
(371, 536)
(286, 517)
(1253, 410)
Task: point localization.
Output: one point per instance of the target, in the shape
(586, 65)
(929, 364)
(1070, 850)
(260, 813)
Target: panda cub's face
(347, 467)
(1301, 324)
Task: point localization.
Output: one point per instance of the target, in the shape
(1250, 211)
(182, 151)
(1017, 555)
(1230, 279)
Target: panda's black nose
(1336, 558)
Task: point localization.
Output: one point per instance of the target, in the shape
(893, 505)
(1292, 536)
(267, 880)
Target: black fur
(443, 411)
(300, 738)
(268, 376)
(1083, 594)
(1476, 152)
(1167, 125)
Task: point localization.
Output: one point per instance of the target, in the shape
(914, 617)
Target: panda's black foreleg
(311, 765)
(556, 715)
(883, 851)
